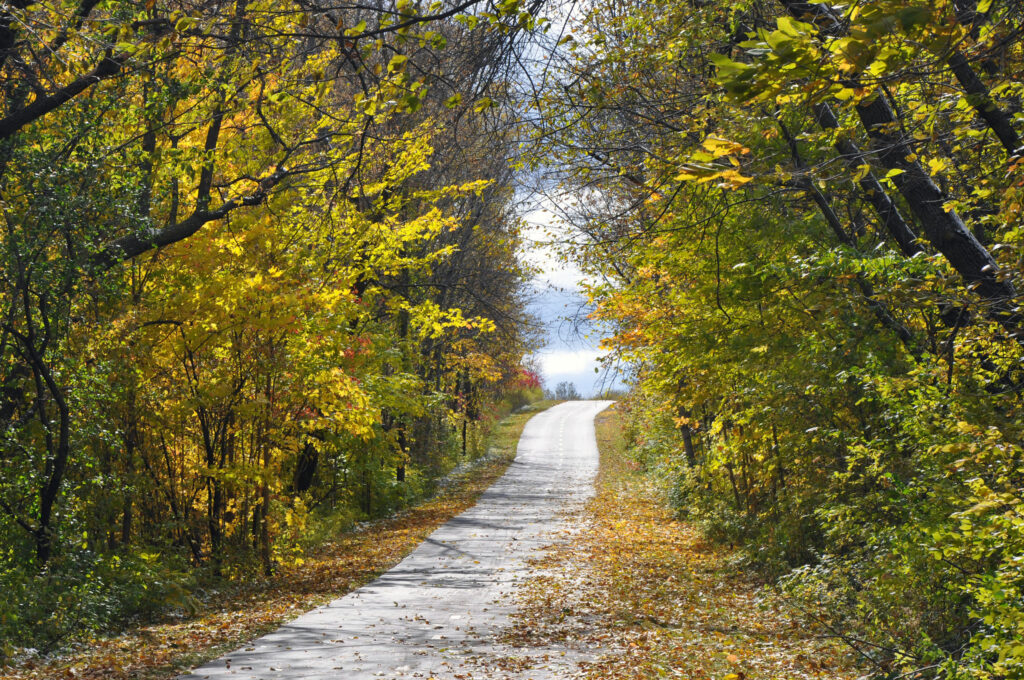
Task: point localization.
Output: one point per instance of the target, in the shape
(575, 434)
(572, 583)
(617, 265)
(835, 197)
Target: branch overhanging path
(442, 610)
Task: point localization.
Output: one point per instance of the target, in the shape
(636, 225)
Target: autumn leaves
(810, 247)
(258, 270)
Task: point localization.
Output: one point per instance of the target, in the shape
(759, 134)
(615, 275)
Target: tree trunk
(887, 210)
(981, 101)
(57, 461)
(691, 456)
(305, 468)
(877, 307)
(214, 497)
(400, 468)
(264, 525)
(943, 228)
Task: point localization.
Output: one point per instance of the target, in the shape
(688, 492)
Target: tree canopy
(804, 221)
(259, 268)
(261, 277)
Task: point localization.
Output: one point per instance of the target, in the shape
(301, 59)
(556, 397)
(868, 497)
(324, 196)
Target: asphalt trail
(441, 611)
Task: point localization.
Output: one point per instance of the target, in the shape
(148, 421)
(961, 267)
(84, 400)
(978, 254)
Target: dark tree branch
(133, 245)
(108, 67)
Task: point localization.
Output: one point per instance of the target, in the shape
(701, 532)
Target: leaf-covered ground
(163, 650)
(657, 601)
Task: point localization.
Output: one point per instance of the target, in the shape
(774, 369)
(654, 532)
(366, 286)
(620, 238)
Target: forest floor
(164, 650)
(656, 599)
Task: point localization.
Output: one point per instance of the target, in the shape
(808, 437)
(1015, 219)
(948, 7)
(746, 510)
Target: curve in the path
(439, 613)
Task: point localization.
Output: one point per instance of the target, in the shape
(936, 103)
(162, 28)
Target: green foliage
(841, 405)
(252, 280)
(83, 592)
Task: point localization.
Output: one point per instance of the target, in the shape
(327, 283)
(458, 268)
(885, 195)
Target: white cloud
(577, 367)
(564, 362)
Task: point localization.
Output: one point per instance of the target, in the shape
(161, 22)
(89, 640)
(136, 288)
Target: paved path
(440, 612)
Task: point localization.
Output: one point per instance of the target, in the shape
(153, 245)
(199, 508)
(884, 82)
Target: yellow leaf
(937, 165)
(723, 147)
(733, 179)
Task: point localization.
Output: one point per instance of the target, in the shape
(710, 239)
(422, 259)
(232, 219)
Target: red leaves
(527, 379)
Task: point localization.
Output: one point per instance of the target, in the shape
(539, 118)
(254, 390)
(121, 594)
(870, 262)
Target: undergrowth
(656, 600)
(224, 619)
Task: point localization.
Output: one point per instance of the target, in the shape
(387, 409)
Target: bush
(82, 593)
(904, 538)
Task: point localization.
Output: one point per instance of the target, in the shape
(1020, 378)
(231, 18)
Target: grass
(656, 600)
(164, 650)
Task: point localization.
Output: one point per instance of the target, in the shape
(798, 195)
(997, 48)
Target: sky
(570, 351)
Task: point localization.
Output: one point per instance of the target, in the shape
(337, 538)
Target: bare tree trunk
(887, 210)
(943, 228)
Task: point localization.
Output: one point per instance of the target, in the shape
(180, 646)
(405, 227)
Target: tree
(246, 250)
(802, 220)
(566, 390)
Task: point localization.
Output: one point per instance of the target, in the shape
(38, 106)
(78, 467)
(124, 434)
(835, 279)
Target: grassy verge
(352, 559)
(656, 600)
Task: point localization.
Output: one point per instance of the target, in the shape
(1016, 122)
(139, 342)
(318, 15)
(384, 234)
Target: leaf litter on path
(162, 650)
(634, 593)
